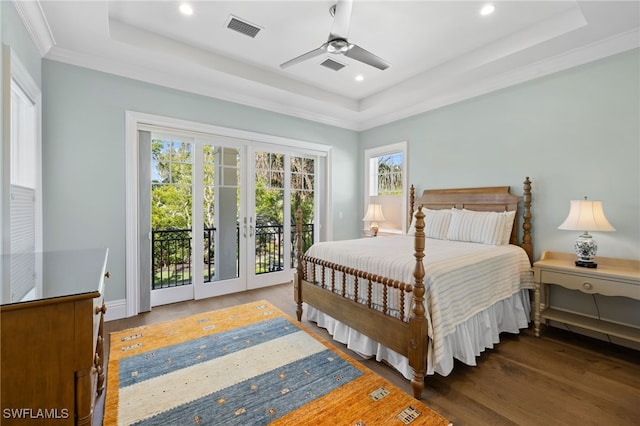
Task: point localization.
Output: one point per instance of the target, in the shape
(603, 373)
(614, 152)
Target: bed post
(526, 222)
(418, 332)
(297, 276)
(412, 203)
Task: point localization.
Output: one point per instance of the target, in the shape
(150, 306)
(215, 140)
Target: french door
(280, 183)
(220, 214)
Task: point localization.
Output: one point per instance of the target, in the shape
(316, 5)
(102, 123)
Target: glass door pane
(282, 183)
(221, 212)
(269, 212)
(209, 212)
(303, 179)
(218, 189)
(171, 219)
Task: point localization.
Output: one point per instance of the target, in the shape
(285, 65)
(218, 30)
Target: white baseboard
(116, 309)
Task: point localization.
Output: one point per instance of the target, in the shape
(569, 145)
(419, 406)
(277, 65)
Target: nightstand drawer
(589, 284)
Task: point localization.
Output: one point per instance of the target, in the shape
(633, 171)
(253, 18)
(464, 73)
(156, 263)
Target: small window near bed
(385, 184)
(386, 174)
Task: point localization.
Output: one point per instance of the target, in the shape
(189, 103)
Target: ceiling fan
(337, 42)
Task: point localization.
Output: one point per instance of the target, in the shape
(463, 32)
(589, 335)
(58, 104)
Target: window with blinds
(23, 192)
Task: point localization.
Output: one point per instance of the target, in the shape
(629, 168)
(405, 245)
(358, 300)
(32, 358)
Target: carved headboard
(496, 198)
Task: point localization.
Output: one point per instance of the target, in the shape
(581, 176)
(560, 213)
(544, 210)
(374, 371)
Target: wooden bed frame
(407, 338)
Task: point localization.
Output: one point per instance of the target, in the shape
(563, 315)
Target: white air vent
(243, 27)
(333, 65)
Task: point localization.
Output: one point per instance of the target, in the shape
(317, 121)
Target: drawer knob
(107, 274)
(587, 286)
(102, 309)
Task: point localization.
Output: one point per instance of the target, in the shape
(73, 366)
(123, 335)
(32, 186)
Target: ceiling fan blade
(341, 20)
(316, 52)
(359, 54)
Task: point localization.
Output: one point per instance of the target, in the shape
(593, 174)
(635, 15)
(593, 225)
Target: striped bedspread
(461, 279)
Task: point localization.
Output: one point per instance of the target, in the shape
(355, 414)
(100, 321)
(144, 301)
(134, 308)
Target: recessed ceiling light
(487, 9)
(359, 77)
(186, 9)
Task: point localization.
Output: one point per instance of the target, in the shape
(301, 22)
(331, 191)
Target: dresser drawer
(589, 284)
(97, 315)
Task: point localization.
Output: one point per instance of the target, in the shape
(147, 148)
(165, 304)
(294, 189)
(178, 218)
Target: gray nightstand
(612, 277)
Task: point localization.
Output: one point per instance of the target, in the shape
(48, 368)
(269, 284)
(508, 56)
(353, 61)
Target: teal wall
(84, 155)
(575, 133)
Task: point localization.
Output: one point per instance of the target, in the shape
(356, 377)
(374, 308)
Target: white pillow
(436, 223)
(477, 227)
(508, 218)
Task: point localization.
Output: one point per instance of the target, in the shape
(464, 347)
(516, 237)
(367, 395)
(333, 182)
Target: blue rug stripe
(165, 360)
(267, 397)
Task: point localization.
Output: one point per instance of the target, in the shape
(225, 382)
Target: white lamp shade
(374, 213)
(586, 215)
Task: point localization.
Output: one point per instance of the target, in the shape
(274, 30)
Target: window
(386, 174)
(385, 184)
(22, 192)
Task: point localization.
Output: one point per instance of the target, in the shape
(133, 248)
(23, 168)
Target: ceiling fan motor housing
(338, 45)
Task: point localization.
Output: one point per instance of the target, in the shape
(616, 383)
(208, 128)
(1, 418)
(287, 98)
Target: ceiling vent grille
(243, 27)
(332, 65)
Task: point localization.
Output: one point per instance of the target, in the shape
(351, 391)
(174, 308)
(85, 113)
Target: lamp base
(584, 264)
(586, 249)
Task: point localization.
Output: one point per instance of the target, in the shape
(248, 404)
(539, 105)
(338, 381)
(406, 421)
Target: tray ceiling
(440, 51)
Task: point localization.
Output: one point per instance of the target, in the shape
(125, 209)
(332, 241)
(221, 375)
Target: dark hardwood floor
(560, 378)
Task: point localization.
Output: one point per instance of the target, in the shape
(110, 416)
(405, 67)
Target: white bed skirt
(470, 338)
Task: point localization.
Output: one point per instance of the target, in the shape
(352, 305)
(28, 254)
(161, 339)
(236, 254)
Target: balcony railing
(171, 253)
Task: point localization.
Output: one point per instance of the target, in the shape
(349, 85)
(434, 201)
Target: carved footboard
(324, 285)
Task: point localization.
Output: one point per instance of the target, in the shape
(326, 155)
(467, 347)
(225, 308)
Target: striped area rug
(246, 365)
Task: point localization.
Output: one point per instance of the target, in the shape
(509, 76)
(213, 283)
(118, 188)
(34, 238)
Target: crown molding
(589, 53)
(36, 24)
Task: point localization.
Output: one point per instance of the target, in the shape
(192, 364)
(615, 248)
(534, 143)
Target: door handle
(244, 228)
(251, 229)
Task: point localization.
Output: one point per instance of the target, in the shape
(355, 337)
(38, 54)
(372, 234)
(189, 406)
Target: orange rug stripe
(350, 404)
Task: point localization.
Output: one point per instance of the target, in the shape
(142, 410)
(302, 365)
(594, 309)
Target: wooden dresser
(51, 331)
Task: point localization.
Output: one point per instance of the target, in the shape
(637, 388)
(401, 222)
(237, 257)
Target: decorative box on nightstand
(612, 277)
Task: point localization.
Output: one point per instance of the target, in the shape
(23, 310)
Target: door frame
(135, 121)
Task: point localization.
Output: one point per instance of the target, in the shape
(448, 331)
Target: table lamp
(586, 215)
(374, 214)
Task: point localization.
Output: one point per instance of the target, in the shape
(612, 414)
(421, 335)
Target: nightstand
(612, 277)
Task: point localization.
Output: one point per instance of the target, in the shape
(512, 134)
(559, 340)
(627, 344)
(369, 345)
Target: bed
(445, 291)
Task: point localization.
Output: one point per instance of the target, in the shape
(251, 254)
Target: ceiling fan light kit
(338, 44)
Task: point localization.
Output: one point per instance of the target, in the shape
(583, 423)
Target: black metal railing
(209, 254)
(171, 258)
(171, 253)
(269, 248)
